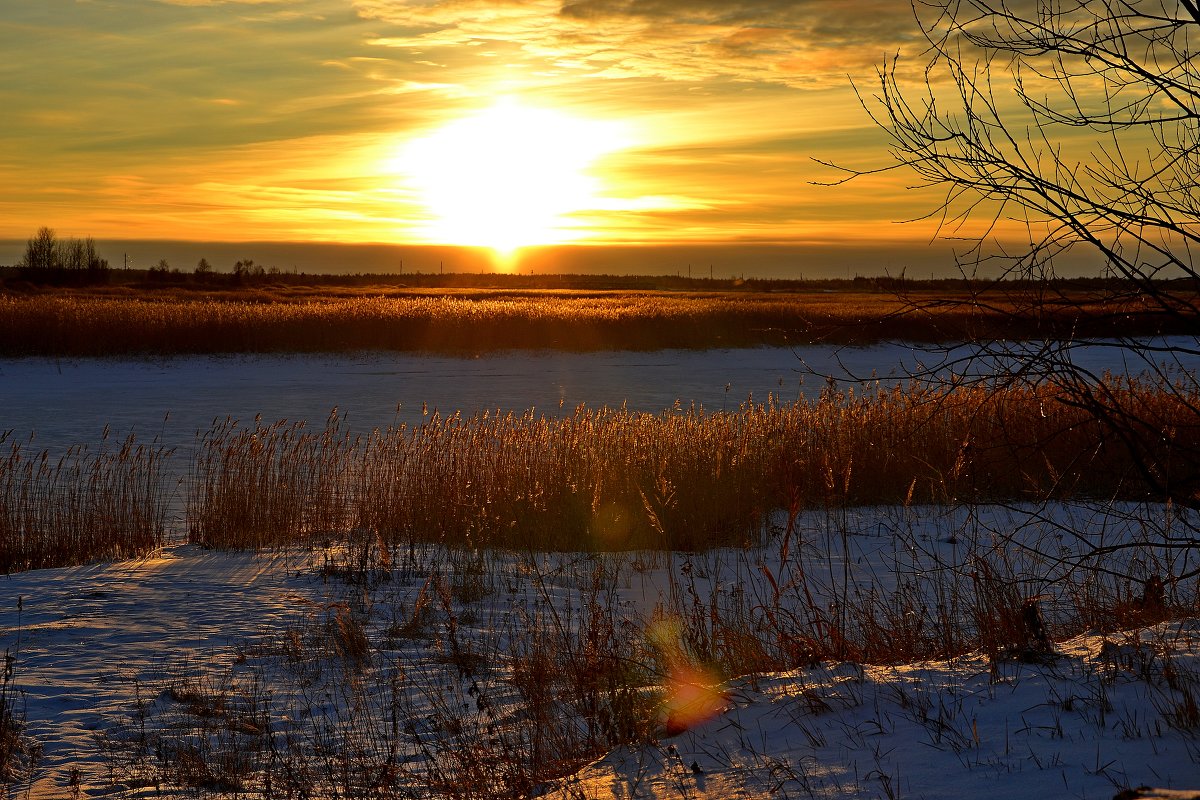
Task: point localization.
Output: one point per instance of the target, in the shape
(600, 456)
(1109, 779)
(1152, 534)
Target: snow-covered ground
(946, 729)
(135, 676)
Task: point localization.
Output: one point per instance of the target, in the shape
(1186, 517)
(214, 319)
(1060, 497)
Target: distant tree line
(244, 272)
(52, 261)
(49, 259)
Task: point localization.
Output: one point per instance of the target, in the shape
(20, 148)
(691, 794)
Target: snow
(87, 637)
(103, 650)
(933, 730)
(68, 402)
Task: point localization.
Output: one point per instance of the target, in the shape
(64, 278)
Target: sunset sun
(508, 176)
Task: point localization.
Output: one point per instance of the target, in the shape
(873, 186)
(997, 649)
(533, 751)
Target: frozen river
(69, 402)
(72, 401)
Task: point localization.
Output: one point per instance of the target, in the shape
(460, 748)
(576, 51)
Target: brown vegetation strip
(127, 321)
(89, 504)
(686, 480)
(592, 480)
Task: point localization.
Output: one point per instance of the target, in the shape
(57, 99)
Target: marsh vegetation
(492, 673)
(593, 479)
(283, 319)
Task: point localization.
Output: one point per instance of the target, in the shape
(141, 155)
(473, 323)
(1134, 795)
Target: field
(879, 590)
(145, 319)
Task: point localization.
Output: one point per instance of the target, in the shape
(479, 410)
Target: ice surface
(71, 402)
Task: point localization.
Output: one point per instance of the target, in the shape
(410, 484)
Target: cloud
(792, 42)
(197, 118)
(220, 2)
(174, 75)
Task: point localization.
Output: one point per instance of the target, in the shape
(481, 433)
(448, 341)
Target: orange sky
(499, 123)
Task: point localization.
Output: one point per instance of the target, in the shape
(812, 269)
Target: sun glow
(510, 176)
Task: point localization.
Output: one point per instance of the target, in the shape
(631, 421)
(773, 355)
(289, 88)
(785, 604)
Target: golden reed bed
(595, 479)
(164, 321)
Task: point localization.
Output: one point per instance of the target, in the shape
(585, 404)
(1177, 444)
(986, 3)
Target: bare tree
(41, 251)
(97, 267)
(1079, 118)
(73, 255)
(48, 258)
(1056, 128)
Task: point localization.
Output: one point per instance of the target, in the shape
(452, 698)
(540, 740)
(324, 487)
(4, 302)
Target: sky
(498, 124)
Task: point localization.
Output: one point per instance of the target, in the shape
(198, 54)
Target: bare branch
(1077, 124)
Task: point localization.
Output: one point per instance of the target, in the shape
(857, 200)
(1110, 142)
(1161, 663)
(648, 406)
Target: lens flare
(694, 696)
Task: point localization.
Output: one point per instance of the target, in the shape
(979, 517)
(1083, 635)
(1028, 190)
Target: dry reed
(18, 752)
(268, 485)
(81, 506)
(68, 323)
(594, 479)
(687, 479)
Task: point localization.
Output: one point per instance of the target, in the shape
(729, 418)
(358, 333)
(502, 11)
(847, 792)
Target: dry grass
(441, 712)
(84, 323)
(18, 753)
(81, 506)
(609, 479)
(13, 746)
(592, 480)
(493, 693)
